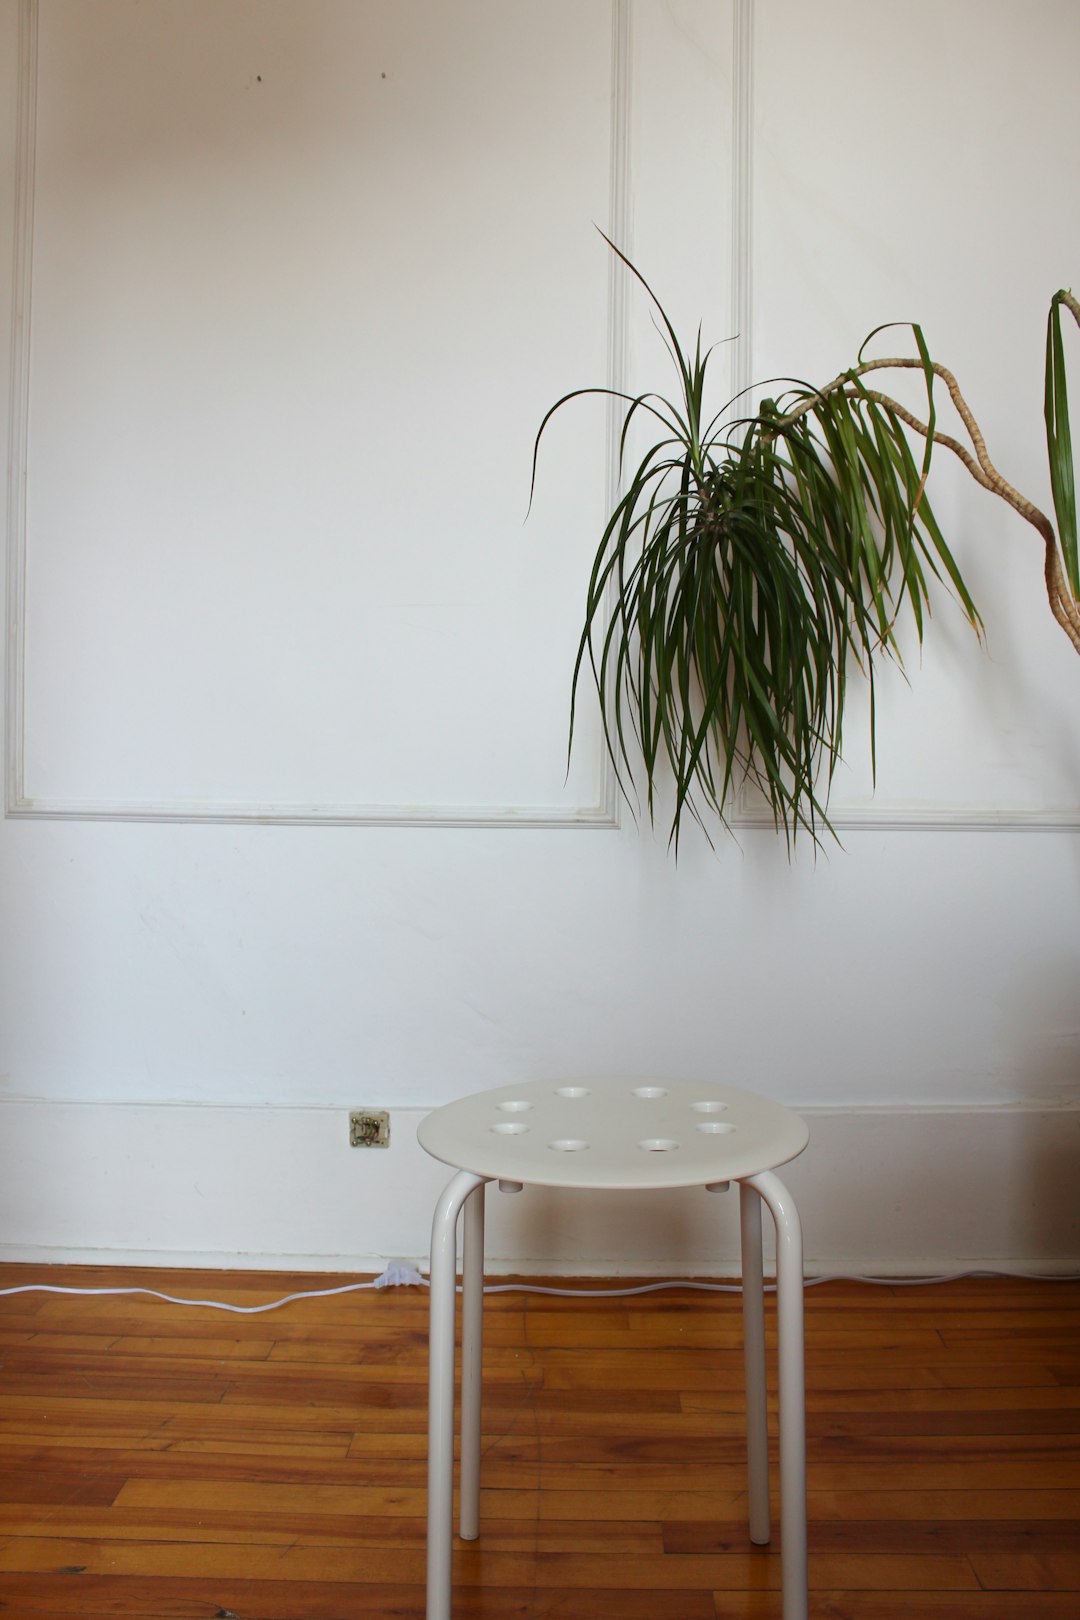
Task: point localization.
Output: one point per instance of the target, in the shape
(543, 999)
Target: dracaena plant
(752, 561)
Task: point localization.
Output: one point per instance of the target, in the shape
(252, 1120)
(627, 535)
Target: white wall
(211, 947)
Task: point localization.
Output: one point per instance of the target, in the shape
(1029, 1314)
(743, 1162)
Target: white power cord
(398, 1275)
(394, 1276)
(171, 1299)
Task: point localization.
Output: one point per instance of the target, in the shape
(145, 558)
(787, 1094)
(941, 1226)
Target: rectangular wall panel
(868, 211)
(300, 283)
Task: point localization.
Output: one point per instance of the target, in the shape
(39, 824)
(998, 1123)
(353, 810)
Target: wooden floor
(158, 1461)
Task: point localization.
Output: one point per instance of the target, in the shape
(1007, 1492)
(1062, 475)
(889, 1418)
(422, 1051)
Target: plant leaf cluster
(748, 563)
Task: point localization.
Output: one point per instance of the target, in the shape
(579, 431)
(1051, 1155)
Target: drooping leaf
(1059, 445)
(744, 567)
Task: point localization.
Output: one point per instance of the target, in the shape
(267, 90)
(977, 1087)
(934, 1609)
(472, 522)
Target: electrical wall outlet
(369, 1127)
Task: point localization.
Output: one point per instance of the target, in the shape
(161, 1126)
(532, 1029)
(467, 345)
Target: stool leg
(757, 1419)
(442, 1304)
(472, 1353)
(789, 1315)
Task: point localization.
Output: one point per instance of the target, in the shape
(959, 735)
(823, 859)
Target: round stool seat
(616, 1134)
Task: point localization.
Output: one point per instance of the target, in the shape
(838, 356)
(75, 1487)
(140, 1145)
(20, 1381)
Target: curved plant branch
(1064, 603)
(749, 562)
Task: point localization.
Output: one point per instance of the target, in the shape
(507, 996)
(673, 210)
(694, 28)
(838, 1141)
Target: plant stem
(1063, 605)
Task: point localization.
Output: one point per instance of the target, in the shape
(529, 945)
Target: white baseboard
(882, 1191)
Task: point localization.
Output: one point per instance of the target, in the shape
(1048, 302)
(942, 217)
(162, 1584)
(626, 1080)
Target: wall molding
(742, 198)
(893, 818)
(20, 801)
(19, 404)
(748, 812)
(883, 1190)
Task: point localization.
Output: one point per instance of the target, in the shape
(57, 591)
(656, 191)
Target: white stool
(631, 1136)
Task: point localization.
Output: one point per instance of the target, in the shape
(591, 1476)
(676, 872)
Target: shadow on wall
(1041, 1027)
(1039, 1030)
(1040, 1041)
(688, 1229)
(1046, 1190)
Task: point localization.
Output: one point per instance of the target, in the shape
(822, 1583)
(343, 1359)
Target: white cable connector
(399, 1275)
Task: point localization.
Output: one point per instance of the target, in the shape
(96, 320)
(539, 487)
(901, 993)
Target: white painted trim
(619, 230)
(413, 1112)
(19, 397)
(603, 815)
(881, 817)
(883, 1190)
(742, 201)
(891, 818)
(363, 1267)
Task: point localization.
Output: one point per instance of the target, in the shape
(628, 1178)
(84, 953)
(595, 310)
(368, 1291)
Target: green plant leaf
(1059, 445)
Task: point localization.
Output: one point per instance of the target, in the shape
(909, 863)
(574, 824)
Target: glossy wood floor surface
(159, 1461)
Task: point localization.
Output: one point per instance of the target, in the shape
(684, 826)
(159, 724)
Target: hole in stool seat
(571, 1091)
(710, 1107)
(714, 1127)
(650, 1093)
(515, 1107)
(657, 1144)
(568, 1145)
(509, 1127)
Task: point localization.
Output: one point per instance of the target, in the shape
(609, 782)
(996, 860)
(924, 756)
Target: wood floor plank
(1001, 1421)
(703, 1372)
(1054, 1569)
(312, 1527)
(288, 1560)
(955, 1537)
(197, 1598)
(911, 1605)
(163, 1462)
(989, 1507)
(68, 1489)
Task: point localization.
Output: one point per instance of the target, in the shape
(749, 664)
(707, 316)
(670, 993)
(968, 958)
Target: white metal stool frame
(466, 1192)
